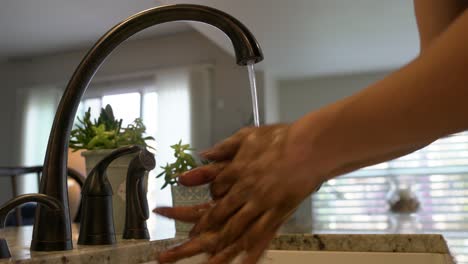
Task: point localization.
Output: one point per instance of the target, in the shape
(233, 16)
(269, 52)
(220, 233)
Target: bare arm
(434, 16)
(425, 100)
(266, 172)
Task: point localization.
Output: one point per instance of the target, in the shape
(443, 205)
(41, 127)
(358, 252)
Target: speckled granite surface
(363, 243)
(138, 251)
(125, 251)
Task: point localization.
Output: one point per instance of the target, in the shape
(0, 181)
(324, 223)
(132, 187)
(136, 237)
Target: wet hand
(257, 182)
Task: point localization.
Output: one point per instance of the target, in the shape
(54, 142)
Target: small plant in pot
(181, 195)
(97, 138)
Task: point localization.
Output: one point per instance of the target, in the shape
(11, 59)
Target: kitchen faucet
(50, 202)
(52, 228)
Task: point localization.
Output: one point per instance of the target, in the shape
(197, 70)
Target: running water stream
(253, 92)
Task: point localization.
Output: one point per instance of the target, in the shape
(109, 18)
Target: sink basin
(330, 257)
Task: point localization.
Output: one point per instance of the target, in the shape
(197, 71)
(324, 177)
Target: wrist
(315, 140)
(304, 155)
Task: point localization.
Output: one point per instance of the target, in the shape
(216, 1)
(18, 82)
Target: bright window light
(126, 106)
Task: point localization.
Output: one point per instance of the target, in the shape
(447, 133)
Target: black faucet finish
(136, 203)
(52, 203)
(57, 236)
(97, 221)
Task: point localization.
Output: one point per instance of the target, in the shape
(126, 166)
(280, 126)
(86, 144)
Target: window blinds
(437, 175)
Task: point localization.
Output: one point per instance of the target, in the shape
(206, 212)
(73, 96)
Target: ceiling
(299, 37)
(38, 27)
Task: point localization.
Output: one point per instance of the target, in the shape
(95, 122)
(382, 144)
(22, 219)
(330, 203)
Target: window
(170, 111)
(39, 105)
(436, 174)
(128, 106)
(163, 99)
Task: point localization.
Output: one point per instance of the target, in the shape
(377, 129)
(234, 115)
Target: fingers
(188, 249)
(189, 214)
(200, 244)
(254, 241)
(223, 209)
(237, 224)
(202, 175)
(254, 254)
(219, 190)
(224, 181)
(227, 255)
(227, 149)
(260, 234)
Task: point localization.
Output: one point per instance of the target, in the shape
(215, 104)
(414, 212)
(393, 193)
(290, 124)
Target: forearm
(423, 101)
(434, 17)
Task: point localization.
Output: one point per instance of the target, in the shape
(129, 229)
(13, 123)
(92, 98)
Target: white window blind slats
(438, 175)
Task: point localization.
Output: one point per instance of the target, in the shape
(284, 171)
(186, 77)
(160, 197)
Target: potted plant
(181, 195)
(98, 138)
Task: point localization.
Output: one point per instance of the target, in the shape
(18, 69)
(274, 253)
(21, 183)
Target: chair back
(14, 172)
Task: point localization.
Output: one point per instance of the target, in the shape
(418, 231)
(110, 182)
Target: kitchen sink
(330, 257)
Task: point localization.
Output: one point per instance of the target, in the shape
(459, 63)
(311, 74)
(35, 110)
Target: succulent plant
(184, 162)
(106, 132)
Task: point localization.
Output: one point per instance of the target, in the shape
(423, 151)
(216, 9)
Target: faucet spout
(47, 237)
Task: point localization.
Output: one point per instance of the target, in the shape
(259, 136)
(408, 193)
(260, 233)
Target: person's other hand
(257, 182)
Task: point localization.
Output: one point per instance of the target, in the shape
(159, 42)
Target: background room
(182, 80)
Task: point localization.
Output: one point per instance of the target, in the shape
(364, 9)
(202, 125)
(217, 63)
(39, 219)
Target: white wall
(231, 105)
(298, 97)
(271, 101)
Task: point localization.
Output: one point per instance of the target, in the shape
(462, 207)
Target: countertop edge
(404, 243)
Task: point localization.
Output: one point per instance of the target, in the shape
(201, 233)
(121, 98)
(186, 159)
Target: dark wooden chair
(14, 172)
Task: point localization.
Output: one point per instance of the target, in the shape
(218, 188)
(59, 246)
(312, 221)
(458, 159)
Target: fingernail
(185, 173)
(184, 177)
(206, 153)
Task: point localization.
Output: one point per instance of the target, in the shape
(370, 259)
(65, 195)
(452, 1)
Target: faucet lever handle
(142, 200)
(97, 219)
(146, 163)
(136, 203)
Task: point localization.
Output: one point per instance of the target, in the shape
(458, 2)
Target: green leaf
(106, 132)
(184, 161)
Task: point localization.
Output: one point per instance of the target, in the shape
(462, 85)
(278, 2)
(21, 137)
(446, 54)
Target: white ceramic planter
(116, 173)
(185, 196)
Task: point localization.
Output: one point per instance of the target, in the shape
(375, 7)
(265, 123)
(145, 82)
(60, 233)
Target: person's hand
(257, 182)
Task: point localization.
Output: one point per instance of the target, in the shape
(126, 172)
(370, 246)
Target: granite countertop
(138, 251)
(403, 243)
(125, 251)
